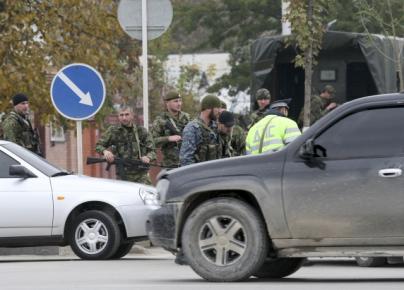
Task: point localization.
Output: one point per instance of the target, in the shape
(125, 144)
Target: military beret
(226, 118)
(209, 102)
(19, 98)
(263, 94)
(172, 96)
(223, 105)
(280, 103)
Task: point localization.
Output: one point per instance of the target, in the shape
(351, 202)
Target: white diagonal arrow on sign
(85, 99)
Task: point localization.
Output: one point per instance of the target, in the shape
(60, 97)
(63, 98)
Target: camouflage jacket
(317, 108)
(164, 126)
(233, 144)
(257, 115)
(199, 142)
(238, 136)
(123, 143)
(18, 129)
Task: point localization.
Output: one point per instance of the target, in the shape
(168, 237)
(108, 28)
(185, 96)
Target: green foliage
(308, 26)
(383, 17)
(227, 25)
(40, 37)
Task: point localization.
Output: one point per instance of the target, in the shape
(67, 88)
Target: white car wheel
(95, 235)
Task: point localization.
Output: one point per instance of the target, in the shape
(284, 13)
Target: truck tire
(279, 268)
(225, 240)
(371, 261)
(94, 235)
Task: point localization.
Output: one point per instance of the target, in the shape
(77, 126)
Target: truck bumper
(162, 226)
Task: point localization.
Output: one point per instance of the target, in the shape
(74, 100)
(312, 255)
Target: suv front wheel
(224, 239)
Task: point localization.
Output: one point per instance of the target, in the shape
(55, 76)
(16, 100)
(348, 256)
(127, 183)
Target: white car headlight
(149, 197)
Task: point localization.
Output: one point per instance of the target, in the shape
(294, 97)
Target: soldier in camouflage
(237, 136)
(17, 127)
(167, 129)
(320, 105)
(127, 141)
(200, 140)
(263, 98)
(225, 128)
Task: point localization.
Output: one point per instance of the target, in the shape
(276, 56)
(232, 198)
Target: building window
(57, 133)
(328, 75)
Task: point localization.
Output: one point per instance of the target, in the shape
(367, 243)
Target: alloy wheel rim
(91, 236)
(222, 240)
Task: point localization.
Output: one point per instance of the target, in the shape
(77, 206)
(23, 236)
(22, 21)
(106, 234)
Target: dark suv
(337, 190)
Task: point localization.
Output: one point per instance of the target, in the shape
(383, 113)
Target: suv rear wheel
(371, 261)
(224, 239)
(279, 268)
(94, 235)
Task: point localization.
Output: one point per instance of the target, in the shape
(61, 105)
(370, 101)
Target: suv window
(369, 133)
(5, 162)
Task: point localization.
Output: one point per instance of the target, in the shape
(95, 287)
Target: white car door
(26, 204)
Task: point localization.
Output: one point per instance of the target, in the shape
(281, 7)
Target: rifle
(121, 162)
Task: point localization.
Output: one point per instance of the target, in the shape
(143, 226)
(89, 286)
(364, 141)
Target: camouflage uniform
(199, 142)
(257, 115)
(18, 129)
(317, 108)
(166, 125)
(238, 136)
(128, 142)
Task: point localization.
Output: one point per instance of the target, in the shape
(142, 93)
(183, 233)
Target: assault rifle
(124, 162)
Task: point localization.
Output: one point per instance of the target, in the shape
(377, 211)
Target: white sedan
(41, 204)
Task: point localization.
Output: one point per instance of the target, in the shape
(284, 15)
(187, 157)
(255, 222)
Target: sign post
(145, 20)
(78, 93)
(145, 67)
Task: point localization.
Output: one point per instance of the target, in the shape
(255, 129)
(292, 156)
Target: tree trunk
(308, 72)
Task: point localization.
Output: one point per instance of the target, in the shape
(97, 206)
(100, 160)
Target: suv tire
(230, 227)
(94, 235)
(371, 261)
(279, 268)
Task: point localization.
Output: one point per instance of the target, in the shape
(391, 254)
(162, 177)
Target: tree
(39, 37)
(308, 20)
(388, 19)
(225, 25)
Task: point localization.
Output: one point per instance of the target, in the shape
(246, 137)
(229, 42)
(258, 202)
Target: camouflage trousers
(136, 176)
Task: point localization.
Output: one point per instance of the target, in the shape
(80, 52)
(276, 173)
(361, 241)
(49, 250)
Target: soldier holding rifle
(128, 141)
(168, 127)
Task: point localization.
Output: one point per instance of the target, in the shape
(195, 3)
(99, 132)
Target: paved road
(160, 272)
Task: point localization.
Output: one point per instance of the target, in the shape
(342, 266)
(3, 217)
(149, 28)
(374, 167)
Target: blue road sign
(78, 91)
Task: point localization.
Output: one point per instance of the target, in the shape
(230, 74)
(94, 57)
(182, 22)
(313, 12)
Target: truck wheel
(279, 268)
(94, 235)
(123, 250)
(371, 261)
(225, 239)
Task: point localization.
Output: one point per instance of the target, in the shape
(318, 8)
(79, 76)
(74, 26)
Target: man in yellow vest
(274, 131)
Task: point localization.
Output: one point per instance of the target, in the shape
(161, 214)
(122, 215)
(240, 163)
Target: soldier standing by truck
(167, 129)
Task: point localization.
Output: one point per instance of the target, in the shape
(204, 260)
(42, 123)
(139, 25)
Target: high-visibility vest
(271, 134)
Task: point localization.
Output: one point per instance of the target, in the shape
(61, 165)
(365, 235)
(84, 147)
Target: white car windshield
(36, 161)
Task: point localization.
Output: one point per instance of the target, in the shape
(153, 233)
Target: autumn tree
(40, 37)
(386, 18)
(308, 20)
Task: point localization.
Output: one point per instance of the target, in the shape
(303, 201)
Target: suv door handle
(390, 172)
